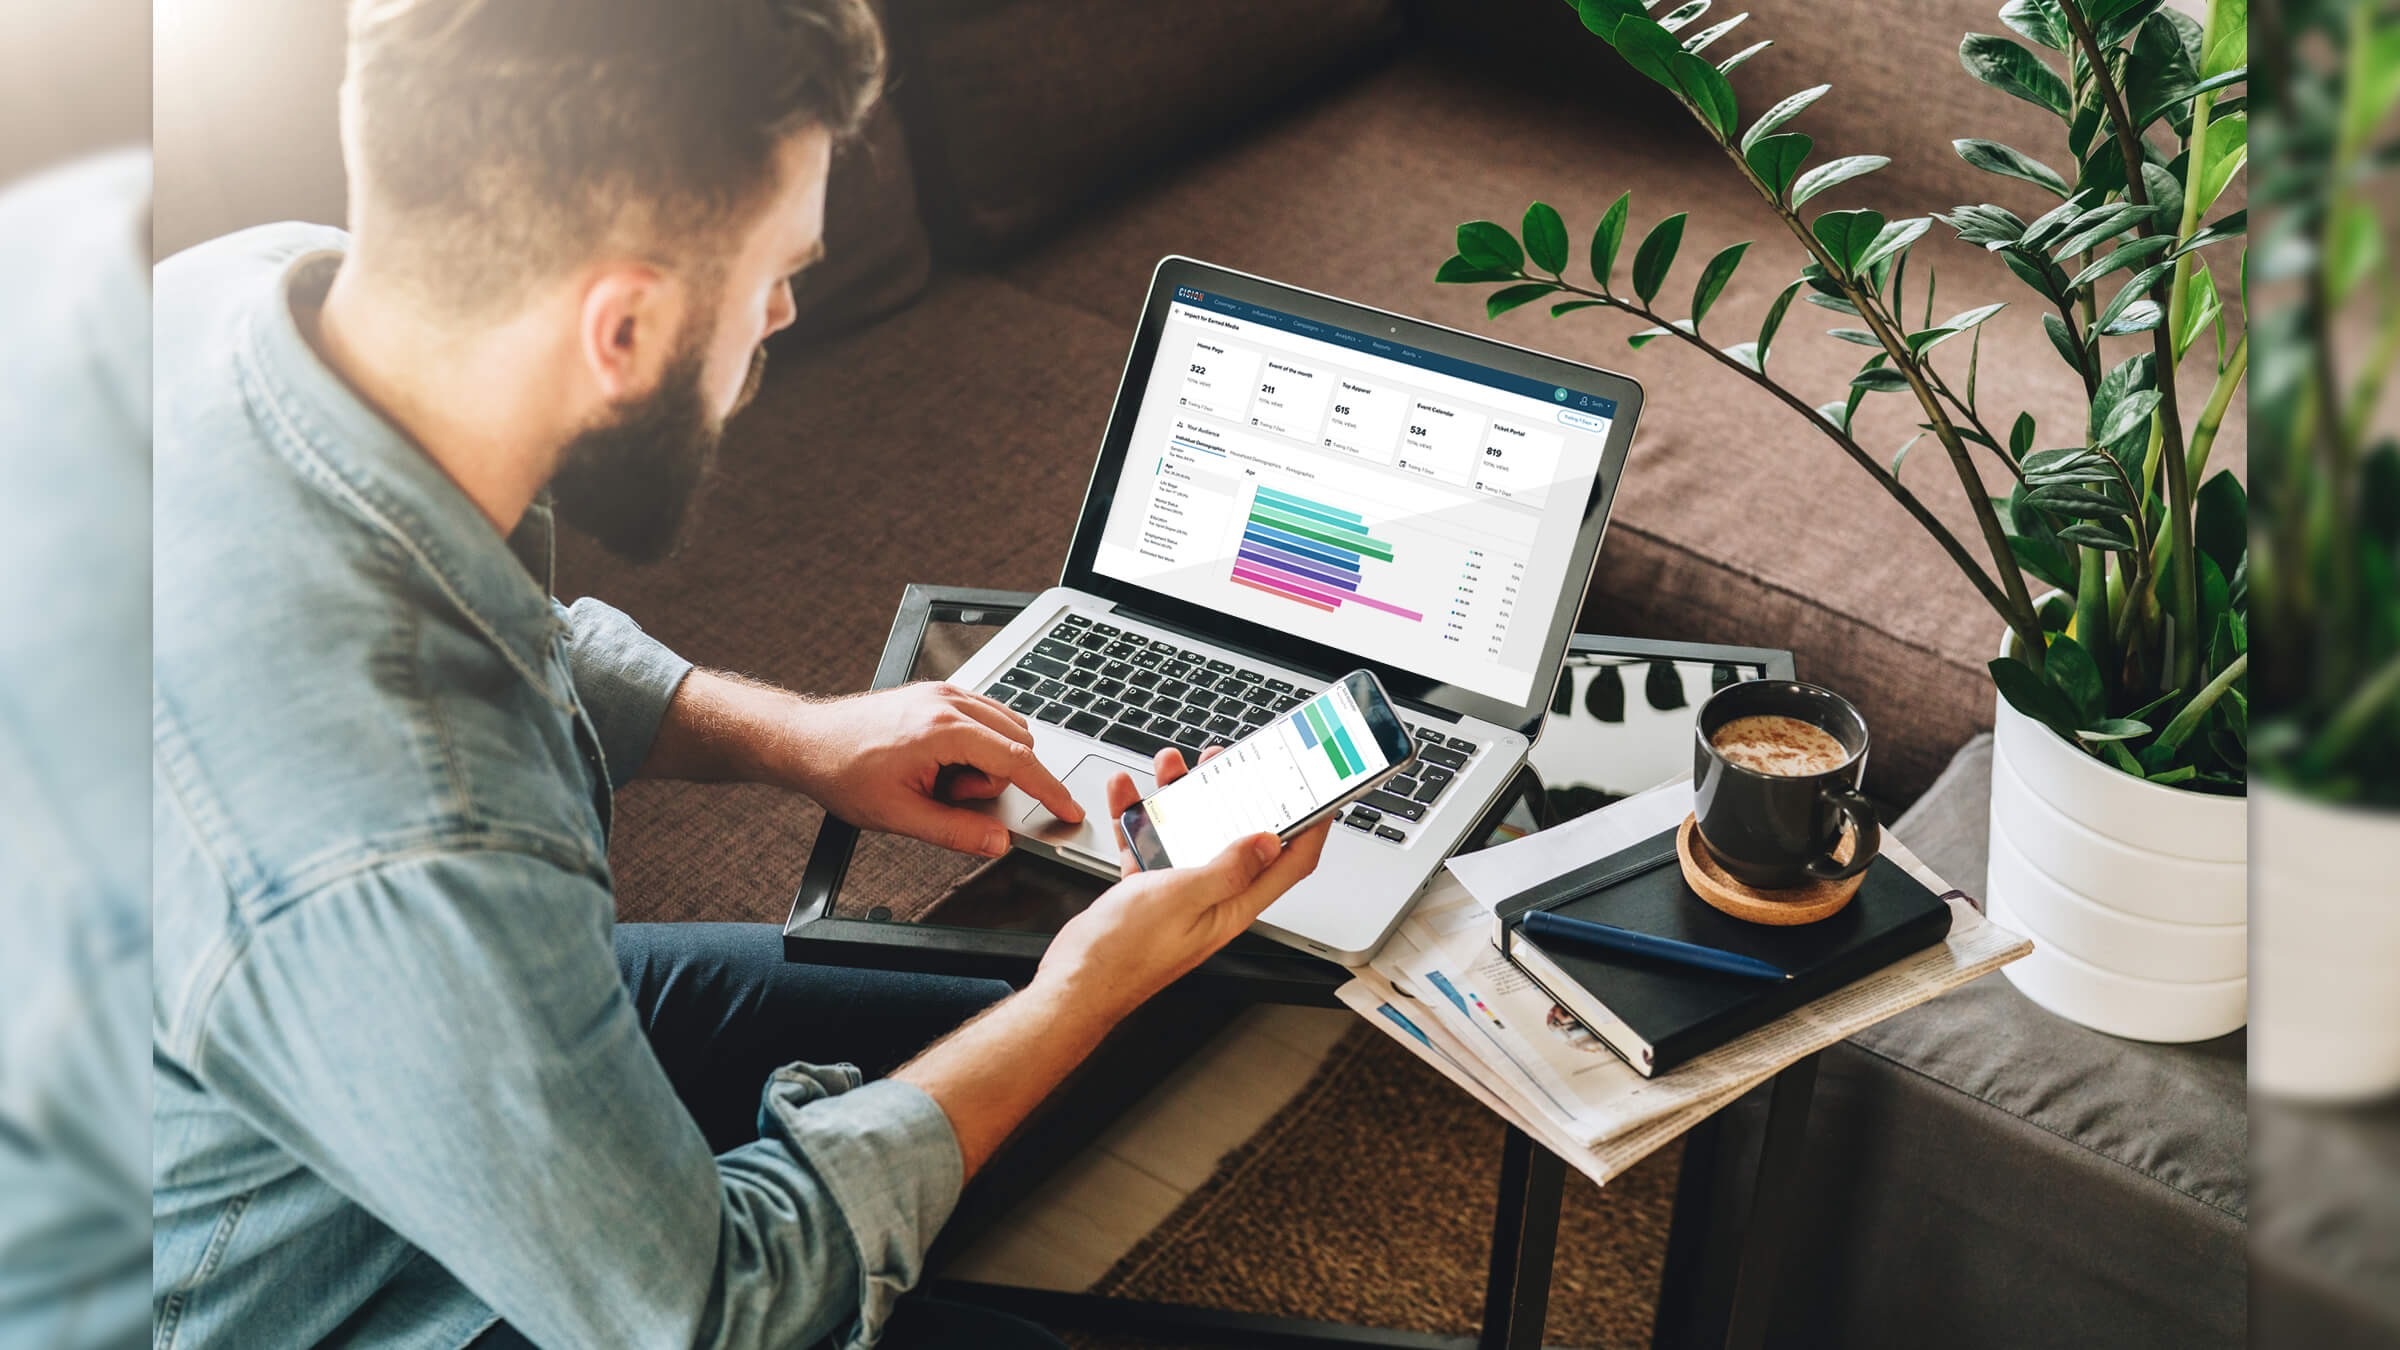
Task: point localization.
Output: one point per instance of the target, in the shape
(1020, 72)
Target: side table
(1620, 723)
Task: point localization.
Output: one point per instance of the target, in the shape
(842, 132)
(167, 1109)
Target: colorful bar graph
(1309, 553)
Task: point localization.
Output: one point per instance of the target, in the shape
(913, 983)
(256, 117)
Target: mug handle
(1861, 814)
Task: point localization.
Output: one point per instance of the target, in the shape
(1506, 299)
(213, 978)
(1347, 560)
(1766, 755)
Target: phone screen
(1269, 781)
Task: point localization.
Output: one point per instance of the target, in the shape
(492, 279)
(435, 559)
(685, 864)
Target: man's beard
(631, 483)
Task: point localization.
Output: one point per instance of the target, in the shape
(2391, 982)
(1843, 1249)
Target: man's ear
(626, 329)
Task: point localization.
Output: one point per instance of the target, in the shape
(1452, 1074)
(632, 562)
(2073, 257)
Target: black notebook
(1656, 1015)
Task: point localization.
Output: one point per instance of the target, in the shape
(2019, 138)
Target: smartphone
(1284, 777)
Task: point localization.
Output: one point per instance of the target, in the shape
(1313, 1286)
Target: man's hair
(496, 143)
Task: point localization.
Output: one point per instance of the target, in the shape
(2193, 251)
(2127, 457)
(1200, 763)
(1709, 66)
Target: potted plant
(2122, 748)
(2327, 543)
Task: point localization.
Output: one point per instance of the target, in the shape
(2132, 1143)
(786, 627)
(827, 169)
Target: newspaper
(1442, 990)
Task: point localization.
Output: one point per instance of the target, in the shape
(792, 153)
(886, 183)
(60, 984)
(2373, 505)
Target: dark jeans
(723, 1009)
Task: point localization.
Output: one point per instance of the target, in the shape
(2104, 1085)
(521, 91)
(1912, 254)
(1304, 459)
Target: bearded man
(413, 1086)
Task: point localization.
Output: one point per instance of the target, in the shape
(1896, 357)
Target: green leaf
(2069, 669)
(2373, 84)
(2135, 293)
(2158, 71)
(2102, 224)
(1858, 335)
(1773, 321)
(1902, 455)
(2012, 70)
(1656, 255)
(1458, 270)
(2064, 341)
(1648, 335)
(1698, 42)
(1502, 301)
(2123, 255)
(1879, 380)
(1987, 226)
(2232, 226)
(1826, 175)
(1847, 235)
(1490, 246)
(1893, 238)
(1777, 158)
(2223, 151)
(1570, 306)
(2139, 317)
(1835, 303)
(2079, 503)
(1653, 51)
(1546, 237)
(2112, 729)
(2201, 307)
(2221, 524)
(1728, 65)
(2054, 222)
(2166, 196)
(2173, 100)
(2039, 21)
(2130, 414)
(1603, 16)
(1781, 113)
(2232, 48)
(2355, 246)
(1682, 15)
(2099, 534)
(1610, 233)
(1993, 157)
(1713, 278)
(2020, 437)
(1745, 353)
(2027, 693)
(2115, 20)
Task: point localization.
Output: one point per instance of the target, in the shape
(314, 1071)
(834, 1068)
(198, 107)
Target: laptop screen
(1414, 508)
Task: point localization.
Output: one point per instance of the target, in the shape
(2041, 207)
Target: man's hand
(1134, 941)
(894, 760)
(1152, 927)
(897, 759)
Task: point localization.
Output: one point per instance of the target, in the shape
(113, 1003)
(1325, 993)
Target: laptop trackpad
(1088, 782)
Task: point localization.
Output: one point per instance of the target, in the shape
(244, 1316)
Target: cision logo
(1187, 293)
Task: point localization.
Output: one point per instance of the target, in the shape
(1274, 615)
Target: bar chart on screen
(1309, 553)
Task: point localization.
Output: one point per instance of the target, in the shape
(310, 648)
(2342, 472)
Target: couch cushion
(940, 445)
(1019, 110)
(1735, 521)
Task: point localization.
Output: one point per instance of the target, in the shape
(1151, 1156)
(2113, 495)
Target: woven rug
(1369, 1200)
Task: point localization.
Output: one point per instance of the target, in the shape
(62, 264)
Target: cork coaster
(1801, 904)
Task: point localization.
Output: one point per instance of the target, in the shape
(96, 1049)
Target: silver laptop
(1292, 487)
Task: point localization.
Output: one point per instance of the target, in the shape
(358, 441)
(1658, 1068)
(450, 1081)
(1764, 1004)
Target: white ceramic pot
(2136, 896)
(2327, 896)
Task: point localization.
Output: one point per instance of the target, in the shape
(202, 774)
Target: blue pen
(1545, 925)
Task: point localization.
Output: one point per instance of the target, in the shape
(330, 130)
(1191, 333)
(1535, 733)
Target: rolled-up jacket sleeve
(447, 1040)
(625, 679)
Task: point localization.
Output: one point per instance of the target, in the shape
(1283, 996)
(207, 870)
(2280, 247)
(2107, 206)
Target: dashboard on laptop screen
(1411, 507)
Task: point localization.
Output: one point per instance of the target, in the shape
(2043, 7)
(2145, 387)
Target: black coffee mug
(1779, 831)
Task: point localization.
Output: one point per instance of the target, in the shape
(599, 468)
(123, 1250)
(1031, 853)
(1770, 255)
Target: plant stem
(2357, 713)
(2182, 669)
(2212, 413)
(2017, 610)
(2180, 730)
(1909, 501)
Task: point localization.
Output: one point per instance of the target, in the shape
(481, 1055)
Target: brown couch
(933, 416)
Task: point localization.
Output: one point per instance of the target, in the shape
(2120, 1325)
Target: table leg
(1516, 1297)
(1772, 1199)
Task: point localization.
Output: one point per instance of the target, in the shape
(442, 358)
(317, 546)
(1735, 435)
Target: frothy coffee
(1784, 746)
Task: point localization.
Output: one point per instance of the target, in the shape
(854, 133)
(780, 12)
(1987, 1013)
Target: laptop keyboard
(1143, 694)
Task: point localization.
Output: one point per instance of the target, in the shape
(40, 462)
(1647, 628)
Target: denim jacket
(400, 1091)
